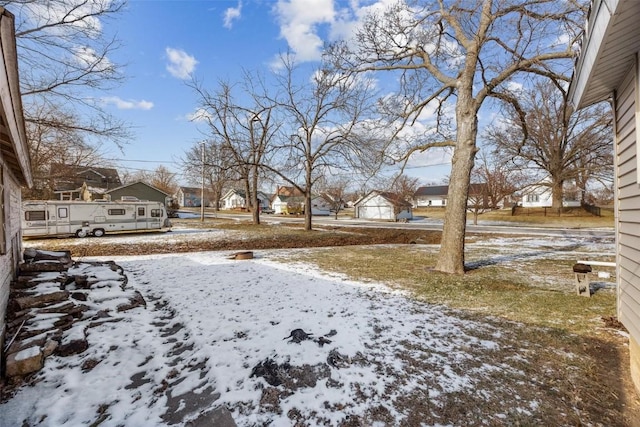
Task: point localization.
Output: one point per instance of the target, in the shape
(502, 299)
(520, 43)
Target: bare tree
(478, 200)
(245, 129)
(405, 187)
(64, 59)
(501, 179)
(216, 168)
(333, 190)
(50, 145)
(328, 129)
(567, 147)
(453, 56)
(163, 179)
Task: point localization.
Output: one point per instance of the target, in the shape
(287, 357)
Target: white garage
(383, 206)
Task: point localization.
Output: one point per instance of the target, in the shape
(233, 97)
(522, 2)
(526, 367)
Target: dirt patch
(254, 237)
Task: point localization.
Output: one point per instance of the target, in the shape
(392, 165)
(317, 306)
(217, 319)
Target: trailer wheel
(81, 233)
(98, 232)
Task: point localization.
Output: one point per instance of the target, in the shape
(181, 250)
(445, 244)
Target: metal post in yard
(202, 188)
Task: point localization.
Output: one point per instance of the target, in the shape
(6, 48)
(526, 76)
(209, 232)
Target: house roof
(70, 177)
(13, 140)
(443, 190)
(190, 190)
(392, 198)
(284, 190)
(135, 183)
(609, 44)
(432, 190)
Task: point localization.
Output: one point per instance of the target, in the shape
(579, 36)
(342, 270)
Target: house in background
(236, 199)
(290, 200)
(436, 195)
(72, 182)
(539, 195)
(383, 206)
(431, 195)
(140, 190)
(608, 68)
(15, 165)
(189, 197)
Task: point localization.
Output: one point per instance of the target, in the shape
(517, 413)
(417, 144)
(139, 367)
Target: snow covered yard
(216, 333)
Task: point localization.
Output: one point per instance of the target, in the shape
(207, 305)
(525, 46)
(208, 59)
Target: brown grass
(576, 362)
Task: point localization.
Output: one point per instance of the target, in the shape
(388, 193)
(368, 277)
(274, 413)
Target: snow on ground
(211, 320)
(228, 316)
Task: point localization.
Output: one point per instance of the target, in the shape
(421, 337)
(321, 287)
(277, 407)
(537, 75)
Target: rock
(219, 417)
(79, 296)
(41, 300)
(31, 255)
(43, 266)
(137, 300)
(49, 347)
(72, 347)
(25, 362)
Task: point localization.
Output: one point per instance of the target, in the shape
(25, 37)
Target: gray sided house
(15, 165)
(383, 206)
(608, 69)
(139, 190)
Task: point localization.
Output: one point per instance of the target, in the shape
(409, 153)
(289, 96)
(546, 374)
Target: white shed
(384, 206)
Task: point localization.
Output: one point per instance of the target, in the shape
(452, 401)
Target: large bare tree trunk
(451, 255)
(556, 194)
(255, 209)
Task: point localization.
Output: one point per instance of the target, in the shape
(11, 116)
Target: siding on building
(628, 203)
(15, 169)
(140, 190)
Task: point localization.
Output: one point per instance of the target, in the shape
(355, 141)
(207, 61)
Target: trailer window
(35, 215)
(115, 211)
(140, 211)
(156, 213)
(63, 212)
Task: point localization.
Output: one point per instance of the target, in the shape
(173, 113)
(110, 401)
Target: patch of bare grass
(576, 362)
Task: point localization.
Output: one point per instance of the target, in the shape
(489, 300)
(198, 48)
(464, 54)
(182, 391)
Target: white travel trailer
(67, 218)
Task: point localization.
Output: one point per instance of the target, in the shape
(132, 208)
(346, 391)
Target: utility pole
(202, 188)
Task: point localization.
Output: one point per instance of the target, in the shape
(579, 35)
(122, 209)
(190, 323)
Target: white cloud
(199, 115)
(87, 57)
(78, 16)
(232, 14)
(299, 23)
(181, 64)
(130, 104)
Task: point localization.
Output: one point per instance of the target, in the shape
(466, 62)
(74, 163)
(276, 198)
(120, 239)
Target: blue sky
(166, 42)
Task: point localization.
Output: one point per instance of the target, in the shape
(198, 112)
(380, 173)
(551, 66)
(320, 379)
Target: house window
(115, 211)
(533, 198)
(35, 215)
(140, 211)
(63, 213)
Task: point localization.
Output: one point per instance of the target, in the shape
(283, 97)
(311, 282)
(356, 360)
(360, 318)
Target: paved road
(433, 224)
